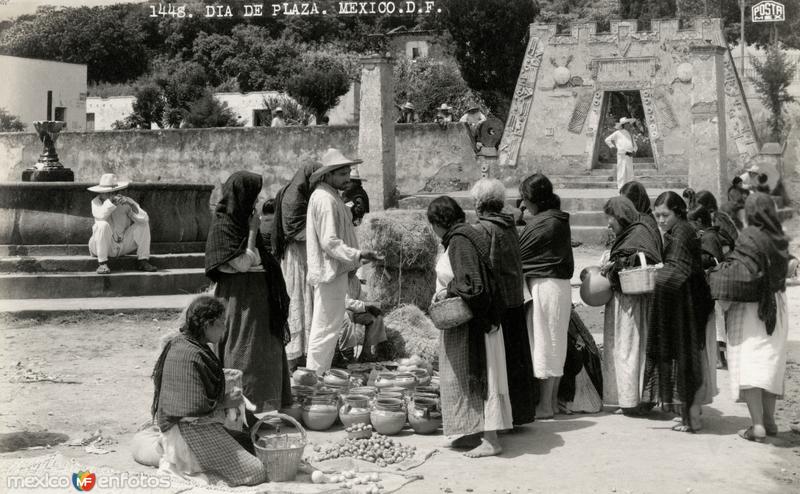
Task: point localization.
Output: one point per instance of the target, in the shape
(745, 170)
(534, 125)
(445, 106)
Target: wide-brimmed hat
(445, 107)
(753, 169)
(278, 109)
(623, 121)
(473, 107)
(355, 176)
(408, 105)
(108, 183)
(332, 160)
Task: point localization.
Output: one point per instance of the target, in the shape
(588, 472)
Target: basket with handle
(449, 313)
(280, 453)
(637, 281)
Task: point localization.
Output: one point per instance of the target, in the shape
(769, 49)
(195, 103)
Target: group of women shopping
(718, 286)
(501, 368)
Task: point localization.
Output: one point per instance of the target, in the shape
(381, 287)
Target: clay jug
(388, 417)
(385, 379)
(595, 288)
(355, 410)
(424, 416)
(320, 411)
(304, 377)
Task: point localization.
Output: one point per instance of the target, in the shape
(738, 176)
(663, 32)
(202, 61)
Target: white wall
(109, 110)
(24, 84)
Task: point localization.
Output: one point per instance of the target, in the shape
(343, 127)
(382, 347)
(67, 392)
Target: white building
(252, 109)
(34, 89)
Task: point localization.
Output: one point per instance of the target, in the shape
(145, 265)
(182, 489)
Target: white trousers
(135, 239)
(326, 323)
(624, 169)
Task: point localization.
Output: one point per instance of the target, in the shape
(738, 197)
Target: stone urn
(48, 168)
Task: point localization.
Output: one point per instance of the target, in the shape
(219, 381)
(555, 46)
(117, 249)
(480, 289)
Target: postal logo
(84, 481)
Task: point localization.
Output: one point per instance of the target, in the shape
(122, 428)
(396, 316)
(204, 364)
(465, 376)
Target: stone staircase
(67, 271)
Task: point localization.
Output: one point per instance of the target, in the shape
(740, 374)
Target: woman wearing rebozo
(626, 316)
(188, 404)
(472, 360)
(751, 288)
(547, 264)
(490, 197)
(250, 282)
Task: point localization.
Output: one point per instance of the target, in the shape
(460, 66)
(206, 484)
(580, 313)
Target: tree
(208, 112)
(490, 40)
(182, 83)
(429, 83)
(149, 106)
(9, 122)
(775, 75)
(319, 85)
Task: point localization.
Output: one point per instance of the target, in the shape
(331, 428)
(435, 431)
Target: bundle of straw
(392, 288)
(411, 332)
(404, 238)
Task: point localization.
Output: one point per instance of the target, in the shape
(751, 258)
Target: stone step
(77, 263)
(82, 249)
(596, 182)
(90, 284)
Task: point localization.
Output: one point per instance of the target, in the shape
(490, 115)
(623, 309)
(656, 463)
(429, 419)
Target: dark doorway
(618, 104)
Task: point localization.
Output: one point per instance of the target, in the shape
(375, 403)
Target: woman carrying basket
(681, 305)
(626, 316)
(472, 358)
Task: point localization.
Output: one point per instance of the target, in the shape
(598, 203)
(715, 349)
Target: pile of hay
(392, 288)
(404, 237)
(411, 332)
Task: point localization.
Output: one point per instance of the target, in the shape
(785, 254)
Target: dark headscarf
(291, 207)
(621, 208)
(721, 219)
(227, 239)
(351, 193)
(637, 194)
(636, 236)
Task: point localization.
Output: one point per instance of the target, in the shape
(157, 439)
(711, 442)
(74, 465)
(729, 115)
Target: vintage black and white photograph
(400, 246)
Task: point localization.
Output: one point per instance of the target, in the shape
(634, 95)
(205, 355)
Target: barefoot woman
(472, 356)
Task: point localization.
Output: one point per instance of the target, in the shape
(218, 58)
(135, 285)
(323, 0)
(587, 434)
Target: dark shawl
(355, 190)
(637, 194)
(678, 316)
(545, 246)
(504, 255)
(711, 245)
(473, 281)
(762, 250)
(227, 239)
(190, 382)
(582, 352)
(291, 206)
(636, 236)
(721, 219)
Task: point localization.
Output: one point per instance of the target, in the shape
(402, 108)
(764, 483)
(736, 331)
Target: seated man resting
(363, 324)
(120, 226)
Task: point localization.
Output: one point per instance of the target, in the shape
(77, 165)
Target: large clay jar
(405, 380)
(304, 377)
(595, 288)
(355, 410)
(424, 416)
(388, 416)
(369, 391)
(423, 378)
(384, 380)
(336, 377)
(320, 411)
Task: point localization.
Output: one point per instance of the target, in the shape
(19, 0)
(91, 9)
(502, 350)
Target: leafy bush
(775, 75)
(9, 122)
(319, 85)
(208, 112)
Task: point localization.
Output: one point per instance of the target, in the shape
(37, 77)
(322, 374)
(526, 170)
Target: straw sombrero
(333, 159)
(108, 183)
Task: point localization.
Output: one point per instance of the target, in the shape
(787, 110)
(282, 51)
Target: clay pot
(384, 380)
(595, 288)
(369, 391)
(303, 376)
(320, 412)
(424, 416)
(336, 377)
(355, 410)
(423, 378)
(406, 381)
(427, 389)
(388, 417)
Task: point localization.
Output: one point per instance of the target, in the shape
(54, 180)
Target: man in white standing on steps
(333, 253)
(623, 140)
(120, 226)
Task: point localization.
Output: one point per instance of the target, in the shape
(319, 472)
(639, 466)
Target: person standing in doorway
(278, 120)
(333, 253)
(622, 139)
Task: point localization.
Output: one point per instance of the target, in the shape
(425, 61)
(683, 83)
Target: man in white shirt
(120, 226)
(332, 251)
(278, 121)
(623, 140)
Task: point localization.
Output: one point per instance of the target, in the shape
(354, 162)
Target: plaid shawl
(227, 239)
(468, 250)
(291, 206)
(190, 383)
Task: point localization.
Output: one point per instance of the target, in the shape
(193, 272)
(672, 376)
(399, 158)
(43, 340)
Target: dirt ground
(82, 373)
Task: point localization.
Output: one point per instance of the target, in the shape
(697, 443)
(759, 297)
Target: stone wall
(426, 154)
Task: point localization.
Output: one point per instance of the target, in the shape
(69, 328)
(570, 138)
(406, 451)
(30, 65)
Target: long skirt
(249, 343)
(710, 389)
(294, 266)
(719, 326)
(581, 387)
(548, 323)
(519, 367)
(625, 348)
(464, 411)
(756, 359)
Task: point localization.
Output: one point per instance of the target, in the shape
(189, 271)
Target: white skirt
(301, 294)
(497, 406)
(756, 359)
(548, 323)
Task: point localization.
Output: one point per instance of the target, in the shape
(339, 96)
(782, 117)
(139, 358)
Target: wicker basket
(636, 281)
(449, 313)
(280, 453)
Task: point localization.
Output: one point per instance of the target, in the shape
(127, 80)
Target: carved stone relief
(665, 113)
(582, 104)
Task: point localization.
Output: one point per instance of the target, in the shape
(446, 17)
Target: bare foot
(486, 448)
(468, 441)
(544, 413)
